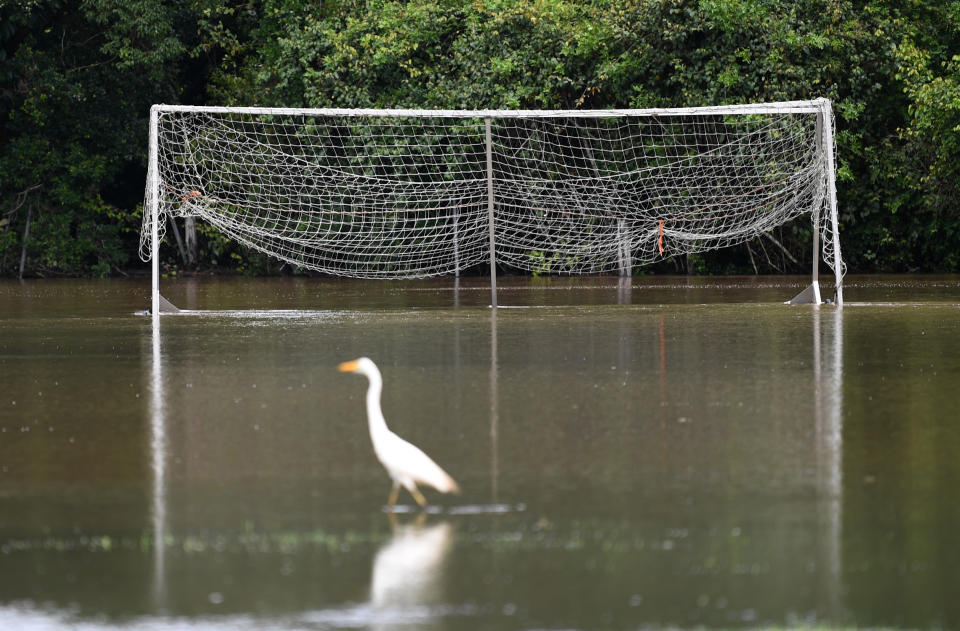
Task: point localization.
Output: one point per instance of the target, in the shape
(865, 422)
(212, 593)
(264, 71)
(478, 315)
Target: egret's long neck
(378, 425)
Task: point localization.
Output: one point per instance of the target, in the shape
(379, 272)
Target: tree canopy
(77, 80)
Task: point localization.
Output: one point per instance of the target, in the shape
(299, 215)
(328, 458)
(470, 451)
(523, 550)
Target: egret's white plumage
(406, 463)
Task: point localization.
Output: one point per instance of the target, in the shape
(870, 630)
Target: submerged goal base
(165, 306)
(810, 295)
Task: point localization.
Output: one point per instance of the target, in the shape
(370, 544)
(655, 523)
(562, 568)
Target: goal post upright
(490, 214)
(154, 201)
(828, 147)
(812, 293)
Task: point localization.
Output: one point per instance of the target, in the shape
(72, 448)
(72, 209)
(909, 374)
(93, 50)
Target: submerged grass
(246, 541)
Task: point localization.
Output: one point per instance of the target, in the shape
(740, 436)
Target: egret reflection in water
(406, 582)
(407, 578)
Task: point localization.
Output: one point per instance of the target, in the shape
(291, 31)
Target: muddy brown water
(660, 452)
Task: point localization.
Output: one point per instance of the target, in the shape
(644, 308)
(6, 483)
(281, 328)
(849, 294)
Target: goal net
(408, 193)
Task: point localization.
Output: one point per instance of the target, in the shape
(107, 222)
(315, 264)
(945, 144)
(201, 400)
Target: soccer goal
(417, 193)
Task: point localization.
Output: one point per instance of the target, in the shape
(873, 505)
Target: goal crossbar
(780, 107)
(395, 193)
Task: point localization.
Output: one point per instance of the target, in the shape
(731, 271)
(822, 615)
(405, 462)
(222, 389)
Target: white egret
(406, 463)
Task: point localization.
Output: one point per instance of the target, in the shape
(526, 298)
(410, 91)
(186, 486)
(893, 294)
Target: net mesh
(393, 196)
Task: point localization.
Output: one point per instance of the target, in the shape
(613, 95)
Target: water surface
(652, 453)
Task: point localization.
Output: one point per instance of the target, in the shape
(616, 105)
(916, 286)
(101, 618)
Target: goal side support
(825, 144)
(158, 304)
(827, 116)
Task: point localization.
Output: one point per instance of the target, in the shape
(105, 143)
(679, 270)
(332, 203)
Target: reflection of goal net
(401, 193)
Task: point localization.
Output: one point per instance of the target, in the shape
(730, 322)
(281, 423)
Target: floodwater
(655, 453)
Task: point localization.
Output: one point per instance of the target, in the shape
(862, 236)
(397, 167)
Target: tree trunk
(190, 236)
(26, 236)
(176, 234)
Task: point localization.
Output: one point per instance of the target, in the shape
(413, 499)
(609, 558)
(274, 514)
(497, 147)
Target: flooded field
(661, 452)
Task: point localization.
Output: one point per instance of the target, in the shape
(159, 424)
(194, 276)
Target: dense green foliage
(77, 79)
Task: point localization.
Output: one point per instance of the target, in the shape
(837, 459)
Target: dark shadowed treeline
(77, 79)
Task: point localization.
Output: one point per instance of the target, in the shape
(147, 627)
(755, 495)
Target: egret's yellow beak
(348, 366)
